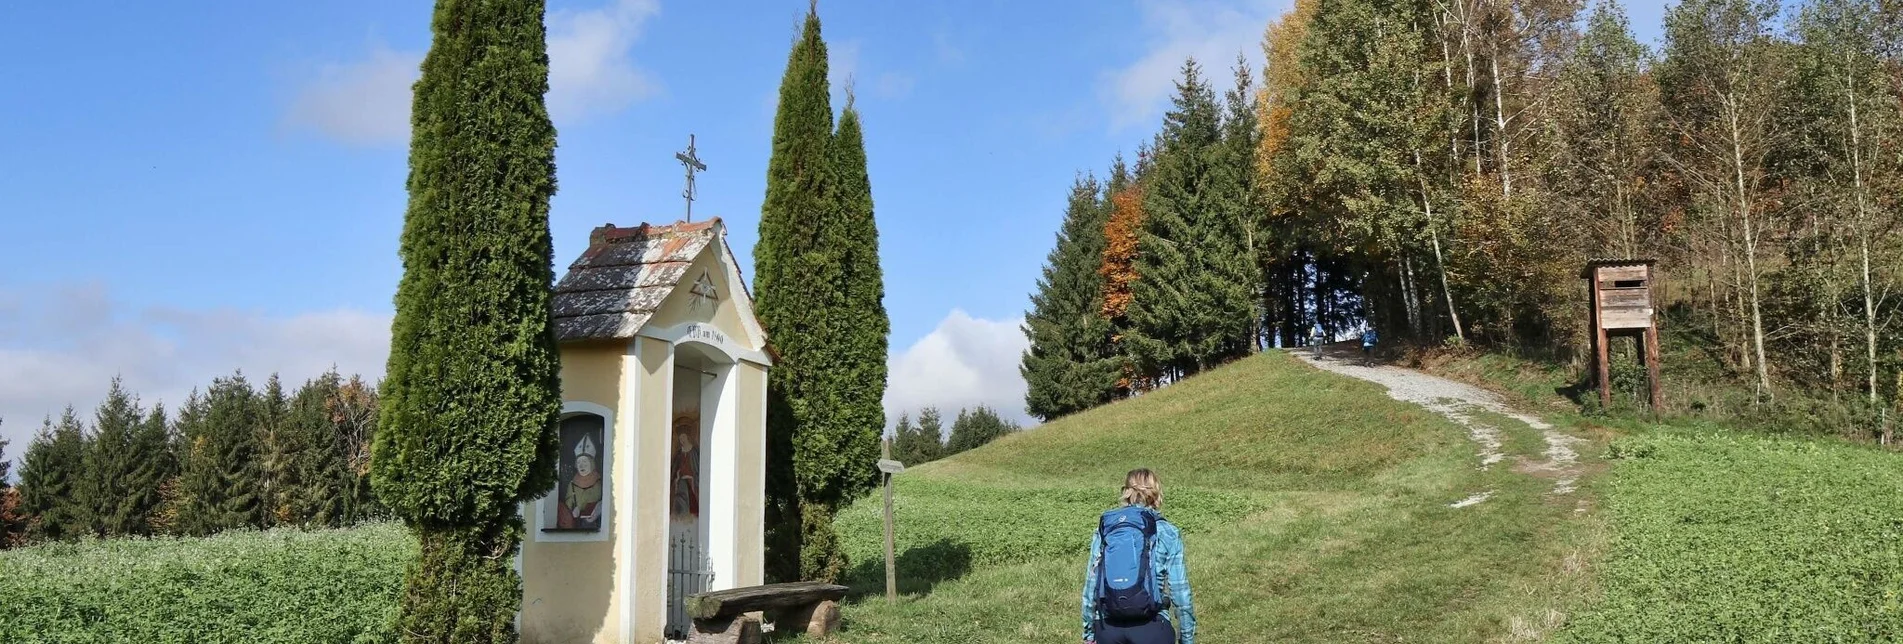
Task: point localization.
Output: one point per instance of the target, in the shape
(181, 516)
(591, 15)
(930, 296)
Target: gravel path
(1457, 401)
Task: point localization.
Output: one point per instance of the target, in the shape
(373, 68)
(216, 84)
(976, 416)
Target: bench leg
(817, 620)
(731, 630)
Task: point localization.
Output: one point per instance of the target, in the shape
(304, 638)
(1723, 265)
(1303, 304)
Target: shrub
(279, 586)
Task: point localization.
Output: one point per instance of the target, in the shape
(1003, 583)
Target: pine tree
(112, 464)
(1069, 366)
(157, 467)
(187, 509)
(1232, 281)
(976, 427)
(223, 473)
(276, 450)
(1176, 328)
(921, 442)
(51, 476)
(472, 387)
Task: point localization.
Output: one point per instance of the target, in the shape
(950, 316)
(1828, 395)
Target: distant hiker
(1136, 573)
(1315, 340)
(1367, 346)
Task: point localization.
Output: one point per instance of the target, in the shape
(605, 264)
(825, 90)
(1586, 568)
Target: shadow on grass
(919, 569)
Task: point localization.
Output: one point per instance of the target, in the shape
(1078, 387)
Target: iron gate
(688, 573)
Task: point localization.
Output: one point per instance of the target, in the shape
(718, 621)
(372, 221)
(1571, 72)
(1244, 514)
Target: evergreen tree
(276, 450)
(816, 218)
(52, 476)
(1069, 366)
(12, 521)
(222, 480)
(156, 469)
(1176, 327)
(315, 482)
(112, 465)
(1232, 281)
(976, 427)
(865, 327)
(469, 431)
(918, 443)
(186, 510)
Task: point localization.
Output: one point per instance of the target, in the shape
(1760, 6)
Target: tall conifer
(1172, 319)
(820, 446)
(865, 327)
(51, 479)
(112, 464)
(1069, 366)
(472, 389)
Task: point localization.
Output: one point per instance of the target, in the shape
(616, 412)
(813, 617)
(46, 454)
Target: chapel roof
(616, 285)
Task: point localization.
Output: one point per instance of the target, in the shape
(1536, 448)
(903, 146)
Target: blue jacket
(1172, 576)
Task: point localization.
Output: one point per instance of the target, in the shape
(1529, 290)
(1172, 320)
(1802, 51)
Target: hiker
(1136, 573)
(1367, 346)
(1315, 340)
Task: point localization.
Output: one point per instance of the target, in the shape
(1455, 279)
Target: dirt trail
(1457, 402)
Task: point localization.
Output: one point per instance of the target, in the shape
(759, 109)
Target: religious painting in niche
(684, 464)
(579, 492)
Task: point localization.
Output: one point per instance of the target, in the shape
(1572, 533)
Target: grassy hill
(1314, 509)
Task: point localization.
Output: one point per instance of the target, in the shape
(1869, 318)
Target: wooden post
(1652, 367)
(891, 572)
(1602, 360)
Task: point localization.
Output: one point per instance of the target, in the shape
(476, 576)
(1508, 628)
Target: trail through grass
(1314, 509)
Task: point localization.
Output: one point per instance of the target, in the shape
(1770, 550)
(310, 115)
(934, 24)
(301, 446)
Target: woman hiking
(1136, 572)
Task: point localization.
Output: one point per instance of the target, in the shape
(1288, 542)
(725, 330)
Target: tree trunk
(1440, 264)
(1748, 225)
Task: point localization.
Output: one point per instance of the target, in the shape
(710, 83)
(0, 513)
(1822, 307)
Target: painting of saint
(686, 468)
(579, 501)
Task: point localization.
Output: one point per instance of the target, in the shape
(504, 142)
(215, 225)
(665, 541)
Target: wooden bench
(721, 616)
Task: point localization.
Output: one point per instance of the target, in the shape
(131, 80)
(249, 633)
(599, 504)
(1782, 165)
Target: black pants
(1157, 631)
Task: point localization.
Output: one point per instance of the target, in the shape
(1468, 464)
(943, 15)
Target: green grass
(281, 586)
(1314, 509)
(1742, 538)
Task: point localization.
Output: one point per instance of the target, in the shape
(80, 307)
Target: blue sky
(207, 186)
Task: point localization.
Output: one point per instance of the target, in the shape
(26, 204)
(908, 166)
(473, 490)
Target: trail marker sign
(889, 467)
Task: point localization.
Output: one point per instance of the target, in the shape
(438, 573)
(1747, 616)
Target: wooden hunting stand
(1622, 305)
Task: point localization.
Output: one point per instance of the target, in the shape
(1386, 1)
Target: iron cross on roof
(693, 163)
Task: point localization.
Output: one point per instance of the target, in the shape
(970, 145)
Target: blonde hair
(1140, 487)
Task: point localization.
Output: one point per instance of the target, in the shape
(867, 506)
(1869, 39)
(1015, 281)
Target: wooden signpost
(889, 467)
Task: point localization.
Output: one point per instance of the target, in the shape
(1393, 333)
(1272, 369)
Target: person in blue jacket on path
(1136, 574)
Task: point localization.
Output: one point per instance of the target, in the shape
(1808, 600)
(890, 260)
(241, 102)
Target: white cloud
(591, 72)
(361, 103)
(64, 343)
(964, 362)
(1211, 31)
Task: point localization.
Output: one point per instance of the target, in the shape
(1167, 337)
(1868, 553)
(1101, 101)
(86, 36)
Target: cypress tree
(472, 390)
(1069, 366)
(865, 325)
(819, 447)
(51, 478)
(112, 464)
